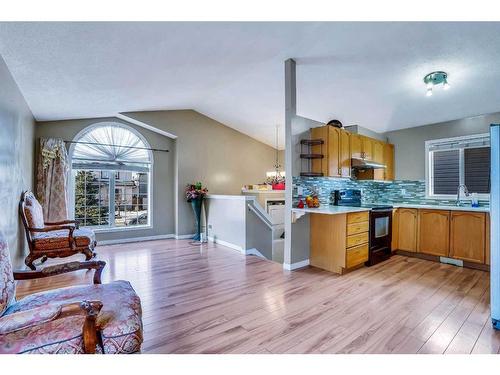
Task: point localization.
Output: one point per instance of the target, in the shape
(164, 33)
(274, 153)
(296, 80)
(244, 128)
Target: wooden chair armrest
(52, 228)
(40, 315)
(97, 265)
(74, 222)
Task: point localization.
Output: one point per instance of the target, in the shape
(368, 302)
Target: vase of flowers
(195, 193)
(277, 182)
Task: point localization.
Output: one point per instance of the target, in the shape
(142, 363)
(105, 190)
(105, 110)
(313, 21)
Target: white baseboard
(136, 239)
(295, 266)
(227, 244)
(184, 236)
(255, 252)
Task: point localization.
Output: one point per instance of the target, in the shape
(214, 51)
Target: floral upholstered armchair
(52, 240)
(99, 318)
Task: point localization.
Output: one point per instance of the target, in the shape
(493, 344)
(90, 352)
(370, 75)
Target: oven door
(380, 229)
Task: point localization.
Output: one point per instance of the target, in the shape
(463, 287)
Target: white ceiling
(368, 74)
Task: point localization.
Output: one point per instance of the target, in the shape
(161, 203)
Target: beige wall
(409, 144)
(163, 174)
(208, 151)
(205, 150)
(16, 160)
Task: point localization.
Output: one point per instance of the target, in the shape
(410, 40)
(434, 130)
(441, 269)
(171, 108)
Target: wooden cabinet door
(407, 229)
(320, 165)
(356, 146)
(345, 154)
(395, 230)
(434, 232)
(487, 252)
(378, 156)
(367, 148)
(389, 162)
(333, 151)
(467, 236)
(378, 151)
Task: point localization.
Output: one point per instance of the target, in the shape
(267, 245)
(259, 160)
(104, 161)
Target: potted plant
(195, 193)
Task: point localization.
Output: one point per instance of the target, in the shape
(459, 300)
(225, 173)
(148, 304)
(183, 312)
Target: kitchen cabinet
(468, 236)
(356, 146)
(345, 154)
(367, 148)
(434, 232)
(463, 235)
(395, 230)
(487, 239)
(378, 151)
(339, 242)
(340, 146)
(329, 163)
(389, 162)
(407, 229)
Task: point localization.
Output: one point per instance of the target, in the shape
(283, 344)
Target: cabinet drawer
(356, 255)
(357, 239)
(357, 228)
(357, 217)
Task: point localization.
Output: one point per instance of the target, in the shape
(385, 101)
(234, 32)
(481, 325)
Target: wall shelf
(312, 142)
(312, 156)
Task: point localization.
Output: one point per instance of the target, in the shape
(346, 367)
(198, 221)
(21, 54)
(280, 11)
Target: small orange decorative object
(315, 201)
(309, 201)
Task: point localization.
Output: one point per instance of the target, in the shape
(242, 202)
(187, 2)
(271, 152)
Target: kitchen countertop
(440, 207)
(334, 210)
(330, 210)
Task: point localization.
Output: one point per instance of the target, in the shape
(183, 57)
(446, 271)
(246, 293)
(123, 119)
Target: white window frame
(72, 174)
(429, 175)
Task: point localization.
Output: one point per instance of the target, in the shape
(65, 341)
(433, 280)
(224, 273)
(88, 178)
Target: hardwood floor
(211, 299)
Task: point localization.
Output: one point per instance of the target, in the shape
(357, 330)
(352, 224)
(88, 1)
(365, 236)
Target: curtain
(52, 179)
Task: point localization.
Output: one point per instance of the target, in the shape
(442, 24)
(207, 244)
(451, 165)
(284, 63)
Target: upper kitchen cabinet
(329, 165)
(389, 162)
(368, 148)
(378, 151)
(356, 146)
(340, 146)
(345, 154)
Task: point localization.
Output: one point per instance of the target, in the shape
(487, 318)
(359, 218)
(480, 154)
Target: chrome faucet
(466, 192)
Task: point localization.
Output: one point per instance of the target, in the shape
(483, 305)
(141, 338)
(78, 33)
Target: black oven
(380, 228)
(380, 235)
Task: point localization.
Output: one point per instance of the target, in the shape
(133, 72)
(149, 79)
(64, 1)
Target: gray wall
(410, 143)
(163, 174)
(16, 160)
(208, 151)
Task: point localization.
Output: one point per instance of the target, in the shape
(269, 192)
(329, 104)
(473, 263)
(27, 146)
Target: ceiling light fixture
(436, 78)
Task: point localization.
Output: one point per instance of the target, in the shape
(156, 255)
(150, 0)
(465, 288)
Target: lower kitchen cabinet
(463, 235)
(339, 242)
(468, 236)
(407, 229)
(434, 232)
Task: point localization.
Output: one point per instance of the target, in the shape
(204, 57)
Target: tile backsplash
(399, 191)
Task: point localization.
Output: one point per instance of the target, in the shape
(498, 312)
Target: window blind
(446, 168)
(477, 169)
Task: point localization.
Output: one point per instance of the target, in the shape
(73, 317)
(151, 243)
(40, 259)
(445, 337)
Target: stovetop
(352, 197)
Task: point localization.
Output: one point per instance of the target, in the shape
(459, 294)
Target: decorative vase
(197, 204)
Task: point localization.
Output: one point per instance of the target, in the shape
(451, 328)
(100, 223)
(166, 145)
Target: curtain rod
(106, 144)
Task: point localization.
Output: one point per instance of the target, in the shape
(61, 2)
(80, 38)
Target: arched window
(111, 170)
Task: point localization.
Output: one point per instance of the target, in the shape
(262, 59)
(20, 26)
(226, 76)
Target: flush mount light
(436, 78)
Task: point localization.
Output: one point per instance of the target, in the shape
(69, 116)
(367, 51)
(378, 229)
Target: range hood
(365, 164)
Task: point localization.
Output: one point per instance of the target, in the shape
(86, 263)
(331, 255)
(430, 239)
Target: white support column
(290, 113)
